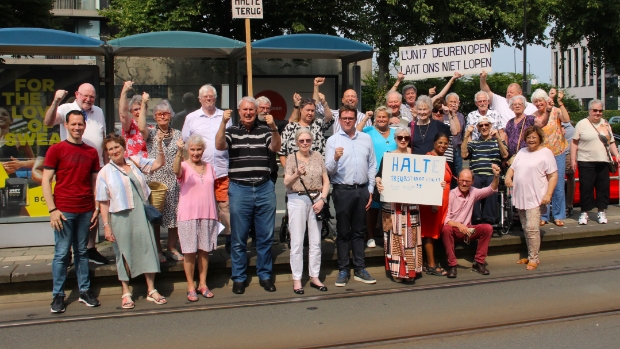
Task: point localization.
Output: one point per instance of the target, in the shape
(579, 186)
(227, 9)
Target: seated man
(457, 225)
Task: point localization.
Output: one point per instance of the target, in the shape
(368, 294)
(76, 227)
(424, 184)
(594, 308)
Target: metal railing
(75, 5)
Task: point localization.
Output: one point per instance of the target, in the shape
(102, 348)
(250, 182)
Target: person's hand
(400, 76)
(457, 75)
(318, 81)
(379, 185)
(508, 182)
(227, 115)
(321, 98)
(560, 96)
(434, 208)
(445, 109)
(470, 130)
(159, 137)
(496, 170)
(394, 121)
(483, 74)
(296, 99)
(369, 202)
(56, 219)
(432, 91)
(12, 166)
(545, 200)
(270, 123)
(463, 229)
(109, 235)
(369, 114)
(301, 169)
(493, 133)
(145, 97)
(338, 153)
(94, 219)
(180, 144)
(538, 122)
(573, 164)
(60, 95)
(127, 85)
(318, 206)
(443, 184)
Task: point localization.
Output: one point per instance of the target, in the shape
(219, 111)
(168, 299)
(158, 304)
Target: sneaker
(174, 255)
(96, 257)
(58, 304)
(89, 299)
(583, 218)
(371, 243)
(342, 278)
(363, 276)
(602, 218)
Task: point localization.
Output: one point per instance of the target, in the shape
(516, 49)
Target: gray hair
(263, 100)
(387, 95)
(409, 87)
(385, 109)
(303, 130)
(481, 93)
(136, 99)
(400, 130)
(206, 88)
(424, 100)
(539, 94)
(513, 99)
(195, 139)
(593, 102)
(452, 94)
(163, 106)
(248, 99)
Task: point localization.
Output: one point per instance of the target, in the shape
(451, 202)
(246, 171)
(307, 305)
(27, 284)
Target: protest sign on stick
(248, 9)
(413, 179)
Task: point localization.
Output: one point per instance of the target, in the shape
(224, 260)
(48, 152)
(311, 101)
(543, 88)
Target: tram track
(335, 296)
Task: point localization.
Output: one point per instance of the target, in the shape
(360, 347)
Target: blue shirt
(381, 145)
(357, 165)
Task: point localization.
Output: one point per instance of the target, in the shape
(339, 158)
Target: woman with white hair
(133, 122)
(424, 130)
(307, 186)
(198, 225)
(550, 119)
(163, 114)
(517, 125)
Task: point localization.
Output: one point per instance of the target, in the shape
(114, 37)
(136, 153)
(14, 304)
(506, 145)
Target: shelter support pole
(248, 50)
(109, 91)
(345, 76)
(357, 85)
(232, 88)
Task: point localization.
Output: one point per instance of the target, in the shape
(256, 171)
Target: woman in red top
(432, 217)
(133, 121)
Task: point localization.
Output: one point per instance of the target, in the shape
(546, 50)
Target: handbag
(152, 214)
(612, 165)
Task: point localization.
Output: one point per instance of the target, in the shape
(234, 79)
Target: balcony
(76, 8)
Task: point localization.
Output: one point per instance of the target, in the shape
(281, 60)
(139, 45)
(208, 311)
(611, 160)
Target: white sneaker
(602, 218)
(583, 218)
(371, 243)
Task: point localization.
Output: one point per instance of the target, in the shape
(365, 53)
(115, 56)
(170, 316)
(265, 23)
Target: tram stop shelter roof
(38, 41)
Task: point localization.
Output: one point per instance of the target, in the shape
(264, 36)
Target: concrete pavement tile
(5, 273)
(18, 258)
(34, 272)
(44, 256)
(8, 253)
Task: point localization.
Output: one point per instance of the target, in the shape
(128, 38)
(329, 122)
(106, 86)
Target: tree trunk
(383, 61)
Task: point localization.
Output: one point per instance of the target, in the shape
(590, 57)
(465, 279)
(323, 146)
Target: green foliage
(28, 13)
(607, 114)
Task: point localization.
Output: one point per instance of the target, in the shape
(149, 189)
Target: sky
(505, 57)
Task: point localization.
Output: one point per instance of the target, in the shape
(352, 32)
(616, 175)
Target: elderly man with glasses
(481, 99)
(483, 153)
(93, 136)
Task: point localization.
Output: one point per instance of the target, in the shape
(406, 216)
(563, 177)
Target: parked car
(614, 120)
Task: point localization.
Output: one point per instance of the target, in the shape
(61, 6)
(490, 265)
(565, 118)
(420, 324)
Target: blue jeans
(558, 200)
(247, 202)
(74, 233)
(458, 161)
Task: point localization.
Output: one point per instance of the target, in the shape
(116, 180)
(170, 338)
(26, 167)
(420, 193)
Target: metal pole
(248, 48)
(524, 84)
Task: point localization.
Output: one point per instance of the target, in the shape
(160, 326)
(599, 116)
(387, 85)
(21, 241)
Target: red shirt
(134, 142)
(74, 165)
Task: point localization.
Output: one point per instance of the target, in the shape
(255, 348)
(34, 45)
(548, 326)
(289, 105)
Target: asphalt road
(436, 311)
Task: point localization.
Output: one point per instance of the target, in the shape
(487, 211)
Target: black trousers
(485, 209)
(593, 176)
(350, 206)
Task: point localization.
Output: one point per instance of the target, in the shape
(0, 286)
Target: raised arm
(276, 140)
(295, 113)
(176, 165)
(362, 124)
(483, 84)
(160, 160)
(564, 113)
(220, 137)
(466, 139)
(503, 150)
(399, 78)
(123, 108)
(446, 88)
(142, 117)
(455, 124)
(51, 115)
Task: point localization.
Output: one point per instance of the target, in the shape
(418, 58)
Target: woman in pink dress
(197, 217)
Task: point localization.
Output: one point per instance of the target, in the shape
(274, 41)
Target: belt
(251, 184)
(349, 186)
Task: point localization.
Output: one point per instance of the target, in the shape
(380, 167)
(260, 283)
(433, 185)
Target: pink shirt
(197, 199)
(460, 207)
(530, 178)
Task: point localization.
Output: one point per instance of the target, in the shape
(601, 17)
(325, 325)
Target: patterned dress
(134, 142)
(289, 145)
(166, 175)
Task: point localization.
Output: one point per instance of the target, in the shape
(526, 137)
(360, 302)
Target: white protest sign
(438, 60)
(413, 179)
(247, 8)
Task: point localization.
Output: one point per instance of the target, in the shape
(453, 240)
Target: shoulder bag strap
(132, 183)
(598, 134)
(302, 181)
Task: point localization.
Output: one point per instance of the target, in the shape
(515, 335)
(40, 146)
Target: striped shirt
(248, 153)
(116, 187)
(482, 155)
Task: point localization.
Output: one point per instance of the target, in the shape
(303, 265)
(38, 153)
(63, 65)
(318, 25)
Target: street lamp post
(524, 84)
(527, 86)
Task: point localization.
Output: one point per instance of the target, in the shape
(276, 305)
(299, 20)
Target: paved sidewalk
(22, 265)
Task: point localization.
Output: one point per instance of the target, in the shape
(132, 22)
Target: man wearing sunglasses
(481, 99)
(93, 136)
(483, 153)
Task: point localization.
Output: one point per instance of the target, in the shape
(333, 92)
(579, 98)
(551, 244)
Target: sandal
(127, 305)
(542, 223)
(437, 271)
(174, 254)
(523, 261)
(159, 300)
(162, 258)
(531, 266)
(558, 223)
(192, 296)
(204, 291)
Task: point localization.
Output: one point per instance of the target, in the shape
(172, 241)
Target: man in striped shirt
(251, 192)
(489, 149)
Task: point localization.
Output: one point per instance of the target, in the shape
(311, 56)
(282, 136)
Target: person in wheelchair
(483, 153)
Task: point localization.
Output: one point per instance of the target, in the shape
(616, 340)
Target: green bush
(578, 115)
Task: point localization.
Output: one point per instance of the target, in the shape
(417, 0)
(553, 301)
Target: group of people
(221, 176)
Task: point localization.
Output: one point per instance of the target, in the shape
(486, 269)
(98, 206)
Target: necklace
(382, 132)
(167, 134)
(201, 172)
(425, 132)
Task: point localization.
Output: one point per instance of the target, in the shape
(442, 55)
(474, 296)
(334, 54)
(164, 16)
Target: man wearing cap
(93, 136)
(482, 101)
(483, 153)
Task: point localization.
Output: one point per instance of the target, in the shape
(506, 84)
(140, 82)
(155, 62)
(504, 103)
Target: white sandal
(161, 300)
(127, 305)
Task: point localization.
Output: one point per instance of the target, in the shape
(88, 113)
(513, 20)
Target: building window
(562, 61)
(592, 69)
(569, 63)
(576, 60)
(584, 65)
(557, 68)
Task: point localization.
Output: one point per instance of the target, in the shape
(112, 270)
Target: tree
(27, 13)
(596, 21)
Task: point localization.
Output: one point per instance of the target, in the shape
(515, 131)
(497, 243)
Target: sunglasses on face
(403, 138)
(484, 125)
(597, 110)
(112, 135)
(302, 141)
(435, 111)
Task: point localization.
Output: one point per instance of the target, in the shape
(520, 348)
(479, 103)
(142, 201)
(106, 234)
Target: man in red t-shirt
(72, 207)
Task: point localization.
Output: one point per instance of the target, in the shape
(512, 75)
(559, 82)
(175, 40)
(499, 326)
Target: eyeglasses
(207, 97)
(465, 181)
(484, 125)
(435, 111)
(302, 141)
(597, 110)
(161, 115)
(112, 135)
(517, 105)
(347, 119)
(86, 96)
(533, 138)
(403, 138)
(483, 102)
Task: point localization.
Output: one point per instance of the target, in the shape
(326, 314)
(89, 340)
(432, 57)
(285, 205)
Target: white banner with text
(247, 8)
